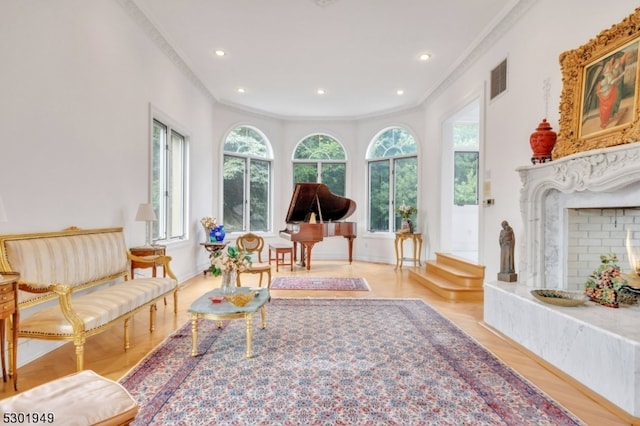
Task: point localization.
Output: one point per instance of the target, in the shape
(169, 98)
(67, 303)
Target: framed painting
(599, 103)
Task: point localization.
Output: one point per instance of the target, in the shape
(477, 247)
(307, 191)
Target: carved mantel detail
(585, 179)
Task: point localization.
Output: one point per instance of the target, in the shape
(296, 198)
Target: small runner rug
(336, 361)
(315, 283)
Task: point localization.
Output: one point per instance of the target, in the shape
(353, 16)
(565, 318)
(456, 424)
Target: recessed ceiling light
(399, 92)
(320, 92)
(241, 90)
(220, 52)
(424, 56)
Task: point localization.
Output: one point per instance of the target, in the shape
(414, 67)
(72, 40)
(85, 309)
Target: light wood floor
(104, 354)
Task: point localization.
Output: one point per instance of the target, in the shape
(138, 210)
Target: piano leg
(295, 253)
(350, 238)
(305, 254)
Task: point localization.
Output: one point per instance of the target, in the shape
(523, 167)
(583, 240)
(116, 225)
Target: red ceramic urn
(542, 142)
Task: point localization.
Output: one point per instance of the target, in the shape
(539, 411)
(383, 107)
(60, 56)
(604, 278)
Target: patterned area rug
(314, 283)
(336, 361)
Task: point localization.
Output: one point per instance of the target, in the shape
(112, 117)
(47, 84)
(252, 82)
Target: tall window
(321, 158)
(168, 181)
(247, 181)
(393, 181)
(465, 163)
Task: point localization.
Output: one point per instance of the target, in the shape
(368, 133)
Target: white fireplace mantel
(576, 340)
(606, 177)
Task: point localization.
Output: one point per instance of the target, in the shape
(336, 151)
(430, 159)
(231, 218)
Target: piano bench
(279, 250)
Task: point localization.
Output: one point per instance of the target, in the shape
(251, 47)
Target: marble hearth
(597, 346)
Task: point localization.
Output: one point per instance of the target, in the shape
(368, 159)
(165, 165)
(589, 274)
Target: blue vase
(218, 233)
(212, 235)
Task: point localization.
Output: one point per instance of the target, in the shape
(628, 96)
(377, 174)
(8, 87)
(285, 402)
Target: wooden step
(454, 275)
(460, 263)
(451, 277)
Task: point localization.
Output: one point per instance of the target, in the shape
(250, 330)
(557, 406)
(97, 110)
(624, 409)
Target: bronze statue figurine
(507, 242)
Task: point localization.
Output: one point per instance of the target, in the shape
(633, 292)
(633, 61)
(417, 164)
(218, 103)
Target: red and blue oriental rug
(336, 362)
(315, 283)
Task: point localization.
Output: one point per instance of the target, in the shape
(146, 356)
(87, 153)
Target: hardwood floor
(104, 354)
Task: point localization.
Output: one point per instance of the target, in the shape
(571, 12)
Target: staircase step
(455, 275)
(451, 277)
(460, 263)
(445, 289)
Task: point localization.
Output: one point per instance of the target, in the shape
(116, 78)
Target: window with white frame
(168, 181)
(246, 181)
(393, 178)
(465, 163)
(321, 159)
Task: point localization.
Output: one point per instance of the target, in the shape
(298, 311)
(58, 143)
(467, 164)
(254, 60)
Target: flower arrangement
(605, 282)
(230, 260)
(406, 211)
(209, 222)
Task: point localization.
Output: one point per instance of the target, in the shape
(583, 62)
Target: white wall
(76, 83)
(78, 79)
(532, 46)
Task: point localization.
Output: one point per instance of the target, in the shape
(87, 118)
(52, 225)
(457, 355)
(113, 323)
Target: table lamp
(146, 214)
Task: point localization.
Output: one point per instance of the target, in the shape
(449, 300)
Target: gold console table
(417, 247)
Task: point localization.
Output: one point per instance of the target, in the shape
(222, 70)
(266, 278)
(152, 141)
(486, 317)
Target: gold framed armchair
(252, 244)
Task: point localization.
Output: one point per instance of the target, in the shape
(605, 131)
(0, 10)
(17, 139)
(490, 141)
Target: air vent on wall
(499, 79)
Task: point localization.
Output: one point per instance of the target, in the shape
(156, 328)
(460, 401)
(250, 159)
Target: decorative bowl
(240, 299)
(559, 297)
(217, 299)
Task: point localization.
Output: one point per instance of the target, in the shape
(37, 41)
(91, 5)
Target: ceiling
(361, 52)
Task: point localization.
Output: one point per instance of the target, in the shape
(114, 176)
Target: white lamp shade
(3, 212)
(145, 213)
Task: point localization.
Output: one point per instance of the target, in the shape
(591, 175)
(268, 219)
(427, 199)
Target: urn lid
(544, 125)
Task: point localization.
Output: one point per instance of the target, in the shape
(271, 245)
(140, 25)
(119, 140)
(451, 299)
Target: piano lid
(307, 197)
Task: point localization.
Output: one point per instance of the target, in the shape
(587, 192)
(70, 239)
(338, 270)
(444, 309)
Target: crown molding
(141, 19)
(496, 33)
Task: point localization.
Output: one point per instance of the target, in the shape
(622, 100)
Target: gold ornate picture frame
(599, 103)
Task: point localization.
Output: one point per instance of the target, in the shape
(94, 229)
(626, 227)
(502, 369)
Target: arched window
(320, 158)
(393, 178)
(247, 181)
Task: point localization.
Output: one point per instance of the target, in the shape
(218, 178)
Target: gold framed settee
(87, 272)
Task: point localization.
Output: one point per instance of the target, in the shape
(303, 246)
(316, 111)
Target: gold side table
(417, 247)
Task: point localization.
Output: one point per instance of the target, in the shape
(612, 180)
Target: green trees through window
(465, 164)
(320, 158)
(393, 178)
(168, 181)
(247, 173)
(246, 181)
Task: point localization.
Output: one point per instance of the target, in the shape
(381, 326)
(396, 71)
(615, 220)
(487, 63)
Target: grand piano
(314, 213)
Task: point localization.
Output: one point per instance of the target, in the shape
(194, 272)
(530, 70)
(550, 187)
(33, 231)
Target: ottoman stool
(83, 398)
(279, 251)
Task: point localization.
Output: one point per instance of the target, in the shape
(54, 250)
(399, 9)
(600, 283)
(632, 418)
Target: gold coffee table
(203, 307)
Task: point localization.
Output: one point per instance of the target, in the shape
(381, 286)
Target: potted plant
(605, 282)
(406, 212)
(228, 263)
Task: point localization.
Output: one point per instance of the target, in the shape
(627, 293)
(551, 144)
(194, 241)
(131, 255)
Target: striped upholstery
(86, 272)
(67, 259)
(97, 309)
